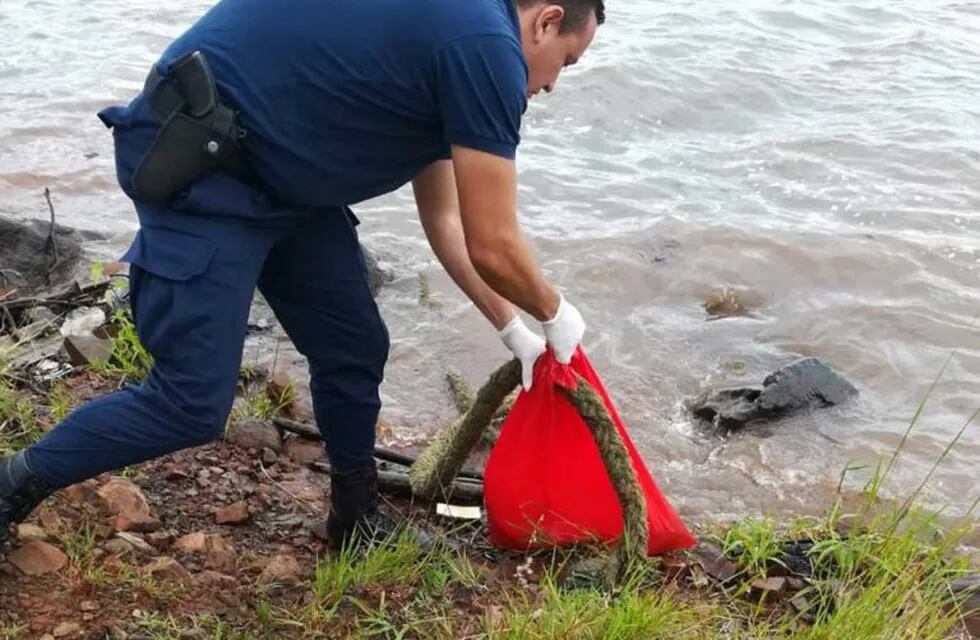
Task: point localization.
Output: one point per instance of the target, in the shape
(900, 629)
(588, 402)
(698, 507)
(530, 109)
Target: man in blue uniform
(254, 133)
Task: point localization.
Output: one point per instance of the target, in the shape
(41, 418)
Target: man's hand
(565, 331)
(526, 346)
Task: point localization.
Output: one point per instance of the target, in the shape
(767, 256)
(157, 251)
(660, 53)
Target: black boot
(20, 492)
(354, 510)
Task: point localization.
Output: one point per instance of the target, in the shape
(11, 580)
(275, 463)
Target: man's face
(547, 52)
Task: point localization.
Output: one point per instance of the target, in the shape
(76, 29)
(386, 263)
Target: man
(254, 132)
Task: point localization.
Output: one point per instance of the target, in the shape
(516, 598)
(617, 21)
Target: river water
(819, 159)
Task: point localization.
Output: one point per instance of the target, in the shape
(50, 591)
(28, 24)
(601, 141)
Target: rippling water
(820, 158)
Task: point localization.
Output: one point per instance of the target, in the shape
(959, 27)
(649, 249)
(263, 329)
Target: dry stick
(442, 460)
(616, 458)
(51, 239)
(464, 491)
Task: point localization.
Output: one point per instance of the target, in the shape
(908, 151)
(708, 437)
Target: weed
(129, 359)
(60, 402)
(18, 427)
(754, 545)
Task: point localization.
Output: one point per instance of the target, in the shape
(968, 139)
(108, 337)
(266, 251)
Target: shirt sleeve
(482, 93)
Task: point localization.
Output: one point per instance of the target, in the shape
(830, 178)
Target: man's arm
(487, 188)
(435, 195)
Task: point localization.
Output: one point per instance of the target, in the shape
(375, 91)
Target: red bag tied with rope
(545, 483)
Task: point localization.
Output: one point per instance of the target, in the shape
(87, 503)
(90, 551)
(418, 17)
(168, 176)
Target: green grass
(261, 402)
(18, 425)
(129, 360)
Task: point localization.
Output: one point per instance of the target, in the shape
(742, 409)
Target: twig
(381, 453)
(51, 237)
(296, 498)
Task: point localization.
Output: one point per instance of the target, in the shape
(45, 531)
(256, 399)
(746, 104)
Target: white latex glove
(526, 346)
(564, 332)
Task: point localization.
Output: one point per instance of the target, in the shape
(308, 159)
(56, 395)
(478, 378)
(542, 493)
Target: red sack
(545, 483)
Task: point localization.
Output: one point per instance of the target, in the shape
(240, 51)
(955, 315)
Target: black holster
(198, 133)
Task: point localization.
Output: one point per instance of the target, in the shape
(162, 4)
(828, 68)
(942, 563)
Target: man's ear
(549, 20)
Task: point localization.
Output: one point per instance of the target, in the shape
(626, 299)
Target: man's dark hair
(576, 11)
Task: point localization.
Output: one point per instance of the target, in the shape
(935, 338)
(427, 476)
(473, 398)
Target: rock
(303, 487)
(714, 562)
(30, 532)
(136, 541)
(82, 321)
(122, 497)
(117, 547)
(27, 258)
(269, 456)
(254, 434)
(37, 558)
(86, 492)
(796, 557)
(135, 522)
(967, 592)
(88, 605)
(66, 629)
(170, 570)
(209, 578)
(768, 588)
(281, 569)
(176, 472)
(192, 542)
(236, 513)
(804, 384)
(160, 539)
(303, 451)
(218, 551)
(83, 351)
(376, 276)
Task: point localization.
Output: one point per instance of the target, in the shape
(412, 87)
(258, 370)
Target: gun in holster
(198, 133)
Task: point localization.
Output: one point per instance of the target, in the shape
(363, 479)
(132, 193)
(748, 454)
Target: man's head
(554, 35)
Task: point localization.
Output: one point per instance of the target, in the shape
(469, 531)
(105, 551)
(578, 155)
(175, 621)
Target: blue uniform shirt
(347, 100)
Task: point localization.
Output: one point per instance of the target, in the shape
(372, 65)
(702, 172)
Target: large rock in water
(804, 384)
(28, 260)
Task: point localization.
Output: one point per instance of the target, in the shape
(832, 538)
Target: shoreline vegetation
(223, 541)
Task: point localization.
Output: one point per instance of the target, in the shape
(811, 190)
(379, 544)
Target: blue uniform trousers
(192, 282)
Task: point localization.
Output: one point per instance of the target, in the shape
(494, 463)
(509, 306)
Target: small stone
(37, 558)
(47, 636)
(236, 513)
(160, 539)
(169, 569)
(135, 522)
(83, 351)
(117, 547)
(175, 472)
(281, 569)
(303, 452)
(29, 532)
(209, 578)
(714, 562)
(85, 493)
(254, 434)
(88, 605)
(768, 587)
(269, 456)
(136, 540)
(124, 498)
(66, 629)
